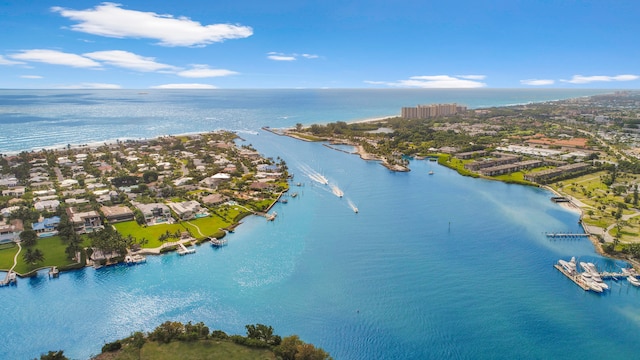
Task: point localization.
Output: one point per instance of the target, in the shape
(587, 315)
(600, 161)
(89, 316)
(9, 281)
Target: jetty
(54, 272)
(183, 250)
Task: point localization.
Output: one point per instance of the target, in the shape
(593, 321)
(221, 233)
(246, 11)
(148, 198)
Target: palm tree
(33, 257)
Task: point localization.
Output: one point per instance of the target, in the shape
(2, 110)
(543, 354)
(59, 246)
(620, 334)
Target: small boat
(218, 242)
(134, 259)
(430, 172)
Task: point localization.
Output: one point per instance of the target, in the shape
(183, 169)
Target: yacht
(633, 280)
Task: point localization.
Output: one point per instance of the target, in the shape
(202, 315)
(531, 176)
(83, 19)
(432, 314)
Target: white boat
(633, 280)
(569, 266)
(135, 259)
(217, 242)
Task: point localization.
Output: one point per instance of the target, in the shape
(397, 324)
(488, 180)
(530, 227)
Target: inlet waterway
(431, 267)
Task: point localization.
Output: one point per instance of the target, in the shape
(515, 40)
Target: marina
(590, 279)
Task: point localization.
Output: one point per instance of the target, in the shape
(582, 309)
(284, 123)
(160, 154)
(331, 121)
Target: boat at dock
(217, 242)
(135, 259)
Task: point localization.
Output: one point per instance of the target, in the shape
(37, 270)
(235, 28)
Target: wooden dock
(183, 250)
(566, 235)
(573, 277)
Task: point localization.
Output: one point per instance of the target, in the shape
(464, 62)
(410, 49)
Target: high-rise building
(433, 110)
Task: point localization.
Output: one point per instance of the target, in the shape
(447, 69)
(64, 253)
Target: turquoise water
(431, 267)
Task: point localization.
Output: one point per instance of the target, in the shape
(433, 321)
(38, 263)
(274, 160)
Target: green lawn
(53, 249)
(196, 350)
(209, 226)
(151, 233)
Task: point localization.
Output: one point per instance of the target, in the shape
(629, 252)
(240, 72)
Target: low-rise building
(84, 222)
(188, 210)
(118, 213)
(48, 205)
(10, 231)
(154, 213)
(47, 227)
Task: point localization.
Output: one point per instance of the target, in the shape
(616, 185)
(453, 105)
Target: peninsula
(95, 206)
(585, 150)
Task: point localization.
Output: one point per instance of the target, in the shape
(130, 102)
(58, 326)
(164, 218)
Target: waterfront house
(154, 213)
(84, 222)
(47, 227)
(118, 213)
(187, 210)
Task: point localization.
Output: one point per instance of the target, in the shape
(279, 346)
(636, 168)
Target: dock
(9, 279)
(577, 278)
(183, 250)
(573, 277)
(54, 272)
(566, 235)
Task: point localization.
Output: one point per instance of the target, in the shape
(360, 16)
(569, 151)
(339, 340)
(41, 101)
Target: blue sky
(320, 44)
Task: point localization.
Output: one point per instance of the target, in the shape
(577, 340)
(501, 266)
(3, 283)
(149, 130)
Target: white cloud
(276, 56)
(434, 82)
(56, 58)
(128, 60)
(579, 79)
(5, 61)
(111, 20)
(184, 86)
(472, 77)
(89, 86)
(31, 76)
(203, 71)
(537, 82)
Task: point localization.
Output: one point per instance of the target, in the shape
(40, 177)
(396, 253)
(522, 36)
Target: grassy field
(209, 226)
(601, 203)
(53, 249)
(197, 350)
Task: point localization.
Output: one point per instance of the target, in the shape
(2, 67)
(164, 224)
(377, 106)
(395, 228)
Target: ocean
(431, 267)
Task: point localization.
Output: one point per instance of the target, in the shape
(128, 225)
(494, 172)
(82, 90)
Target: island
(80, 206)
(586, 151)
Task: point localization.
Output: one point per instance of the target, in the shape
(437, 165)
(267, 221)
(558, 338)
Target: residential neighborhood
(139, 193)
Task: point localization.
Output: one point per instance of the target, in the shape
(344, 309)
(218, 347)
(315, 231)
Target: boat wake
(352, 206)
(314, 175)
(336, 191)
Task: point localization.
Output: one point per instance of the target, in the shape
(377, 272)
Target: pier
(183, 250)
(566, 235)
(573, 277)
(579, 280)
(54, 272)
